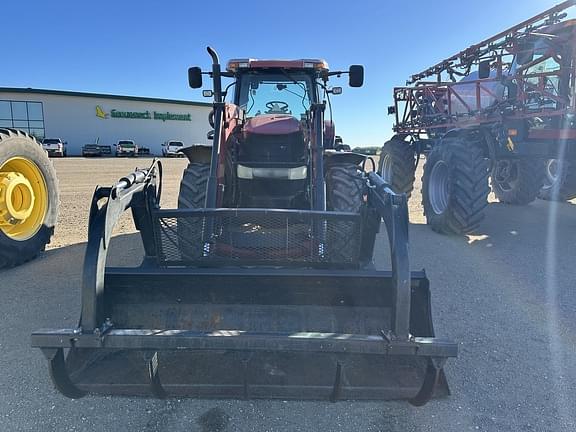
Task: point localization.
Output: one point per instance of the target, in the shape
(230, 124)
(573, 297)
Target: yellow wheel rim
(23, 198)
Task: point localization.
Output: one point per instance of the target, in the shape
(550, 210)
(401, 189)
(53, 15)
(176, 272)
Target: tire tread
(468, 189)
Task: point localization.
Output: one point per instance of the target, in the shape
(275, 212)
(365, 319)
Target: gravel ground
(507, 295)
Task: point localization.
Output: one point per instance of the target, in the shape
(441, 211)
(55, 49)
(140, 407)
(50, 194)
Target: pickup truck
(126, 148)
(54, 146)
(170, 148)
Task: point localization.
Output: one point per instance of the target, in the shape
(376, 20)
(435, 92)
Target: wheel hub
(386, 171)
(439, 187)
(23, 198)
(16, 198)
(552, 174)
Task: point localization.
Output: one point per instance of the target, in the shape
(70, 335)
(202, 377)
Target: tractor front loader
(262, 283)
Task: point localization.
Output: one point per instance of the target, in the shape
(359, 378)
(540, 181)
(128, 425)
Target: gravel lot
(507, 295)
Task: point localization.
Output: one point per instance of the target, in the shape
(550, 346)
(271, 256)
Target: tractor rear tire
(560, 181)
(517, 181)
(455, 186)
(192, 196)
(24, 158)
(397, 165)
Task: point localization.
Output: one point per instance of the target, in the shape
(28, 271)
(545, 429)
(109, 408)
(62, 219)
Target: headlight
(298, 173)
(244, 172)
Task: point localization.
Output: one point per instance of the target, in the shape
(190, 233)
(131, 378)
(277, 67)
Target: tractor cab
(273, 146)
(272, 135)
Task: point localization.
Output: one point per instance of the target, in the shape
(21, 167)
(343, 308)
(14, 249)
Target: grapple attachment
(196, 321)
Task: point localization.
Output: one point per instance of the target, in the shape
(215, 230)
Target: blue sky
(145, 47)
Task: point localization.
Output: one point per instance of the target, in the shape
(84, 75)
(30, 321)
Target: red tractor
(261, 157)
(503, 109)
(262, 283)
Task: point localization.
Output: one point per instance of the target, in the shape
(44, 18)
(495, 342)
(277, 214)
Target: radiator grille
(254, 236)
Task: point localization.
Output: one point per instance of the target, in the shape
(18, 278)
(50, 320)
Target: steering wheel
(277, 107)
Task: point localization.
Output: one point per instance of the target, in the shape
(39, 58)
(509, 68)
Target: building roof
(99, 96)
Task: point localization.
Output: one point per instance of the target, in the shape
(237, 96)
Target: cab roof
(235, 65)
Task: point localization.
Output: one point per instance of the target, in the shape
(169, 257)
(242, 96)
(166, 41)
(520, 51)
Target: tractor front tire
(344, 188)
(560, 181)
(28, 198)
(192, 196)
(397, 165)
(517, 181)
(344, 193)
(455, 186)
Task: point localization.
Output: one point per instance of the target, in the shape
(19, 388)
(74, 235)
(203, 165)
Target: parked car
(105, 150)
(171, 148)
(91, 150)
(126, 148)
(143, 151)
(54, 146)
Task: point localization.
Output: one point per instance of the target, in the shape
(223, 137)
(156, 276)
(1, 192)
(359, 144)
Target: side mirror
(356, 76)
(195, 77)
(210, 135)
(391, 110)
(484, 69)
(336, 90)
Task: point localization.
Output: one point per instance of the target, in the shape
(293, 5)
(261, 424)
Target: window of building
(26, 116)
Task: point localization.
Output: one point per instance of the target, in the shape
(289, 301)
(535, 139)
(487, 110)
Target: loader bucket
(329, 328)
(288, 335)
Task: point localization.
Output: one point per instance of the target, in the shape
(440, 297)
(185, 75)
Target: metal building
(82, 118)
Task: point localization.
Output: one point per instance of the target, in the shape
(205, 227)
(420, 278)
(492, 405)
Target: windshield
(175, 143)
(126, 143)
(51, 141)
(542, 70)
(275, 94)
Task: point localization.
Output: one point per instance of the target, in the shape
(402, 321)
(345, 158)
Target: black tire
(13, 252)
(517, 181)
(455, 186)
(344, 188)
(193, 186)
(192, 195)
(561, 184)
(397, 165)
(344, 193)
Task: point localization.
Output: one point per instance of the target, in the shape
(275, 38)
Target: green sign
(145, 115)
(171, 116)
(130, 114)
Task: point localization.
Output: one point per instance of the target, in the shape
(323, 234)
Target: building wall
(74, 119)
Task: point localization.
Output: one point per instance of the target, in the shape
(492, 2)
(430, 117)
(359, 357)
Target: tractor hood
(272, 124)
